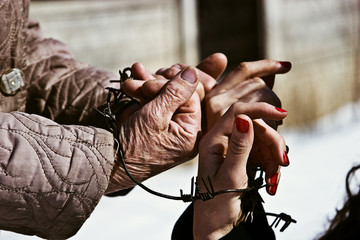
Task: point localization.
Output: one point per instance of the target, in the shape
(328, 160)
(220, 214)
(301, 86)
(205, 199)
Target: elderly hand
(223, 156)
(163, 133)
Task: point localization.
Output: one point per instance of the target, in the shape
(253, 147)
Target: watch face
(11, 82)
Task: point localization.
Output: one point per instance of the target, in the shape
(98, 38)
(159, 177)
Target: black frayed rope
(195, 193)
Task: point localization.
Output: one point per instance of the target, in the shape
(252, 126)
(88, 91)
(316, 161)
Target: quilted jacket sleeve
(59, 87)
(51, 176)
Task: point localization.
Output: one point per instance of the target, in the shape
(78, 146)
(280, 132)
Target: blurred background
(321, 93)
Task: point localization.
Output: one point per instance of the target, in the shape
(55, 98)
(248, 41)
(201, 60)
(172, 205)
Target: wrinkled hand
(163, 133)
(223, 156)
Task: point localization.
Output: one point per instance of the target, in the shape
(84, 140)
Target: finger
(139, 71)
(247, 70)
(260, 95)
(152, 88)
(249, 91)
(275, 142)
(207, 82)
(170, 72)
(214, 65)
(252, 110)
(175, 93)
(133, 88)
(261, 156)
(210, 69)
(273, 153)
(273, 183)
(240, 144)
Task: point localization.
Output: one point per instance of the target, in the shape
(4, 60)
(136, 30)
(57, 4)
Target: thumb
(240, 145)
(175, 93)
(213, 65)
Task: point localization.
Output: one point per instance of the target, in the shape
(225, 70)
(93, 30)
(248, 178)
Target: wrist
(118, 178)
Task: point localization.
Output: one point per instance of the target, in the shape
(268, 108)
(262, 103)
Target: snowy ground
(310, 188)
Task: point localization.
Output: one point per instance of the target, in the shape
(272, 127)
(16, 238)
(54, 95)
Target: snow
(310, 188)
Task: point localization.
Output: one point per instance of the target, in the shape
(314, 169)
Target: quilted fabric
(51, 175)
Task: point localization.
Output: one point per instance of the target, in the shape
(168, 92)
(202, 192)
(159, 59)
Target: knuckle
(239, 146)
(268, 61)
(208, 145)
(258, 82)
(173, 95)
(237, 108)
(214, 105)
(172, 71)
(242, 67)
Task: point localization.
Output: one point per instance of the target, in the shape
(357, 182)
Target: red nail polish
(272, 190)
(280, 110)
(286, 158)
(285, 64)
(273, 179)
(242, 125)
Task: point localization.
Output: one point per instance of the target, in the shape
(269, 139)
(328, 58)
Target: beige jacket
(51, 175)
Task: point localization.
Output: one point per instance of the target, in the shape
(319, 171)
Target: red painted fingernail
(286, 158)
(242, 125)
(273, 179)
(280, 110)
(285, 64)
(272, 189)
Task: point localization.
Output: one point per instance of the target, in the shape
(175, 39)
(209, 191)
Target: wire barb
(282, 216)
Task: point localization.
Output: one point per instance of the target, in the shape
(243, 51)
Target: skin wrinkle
(170, 98)
(137, 137)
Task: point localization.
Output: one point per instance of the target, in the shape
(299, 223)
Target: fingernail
(176, 66)
(287, 149)
(286, 158)
(272, 189)
(273, 179)
(242, 125)
(280, 110)
(189, 75)
(161, 70)
(285, 64)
